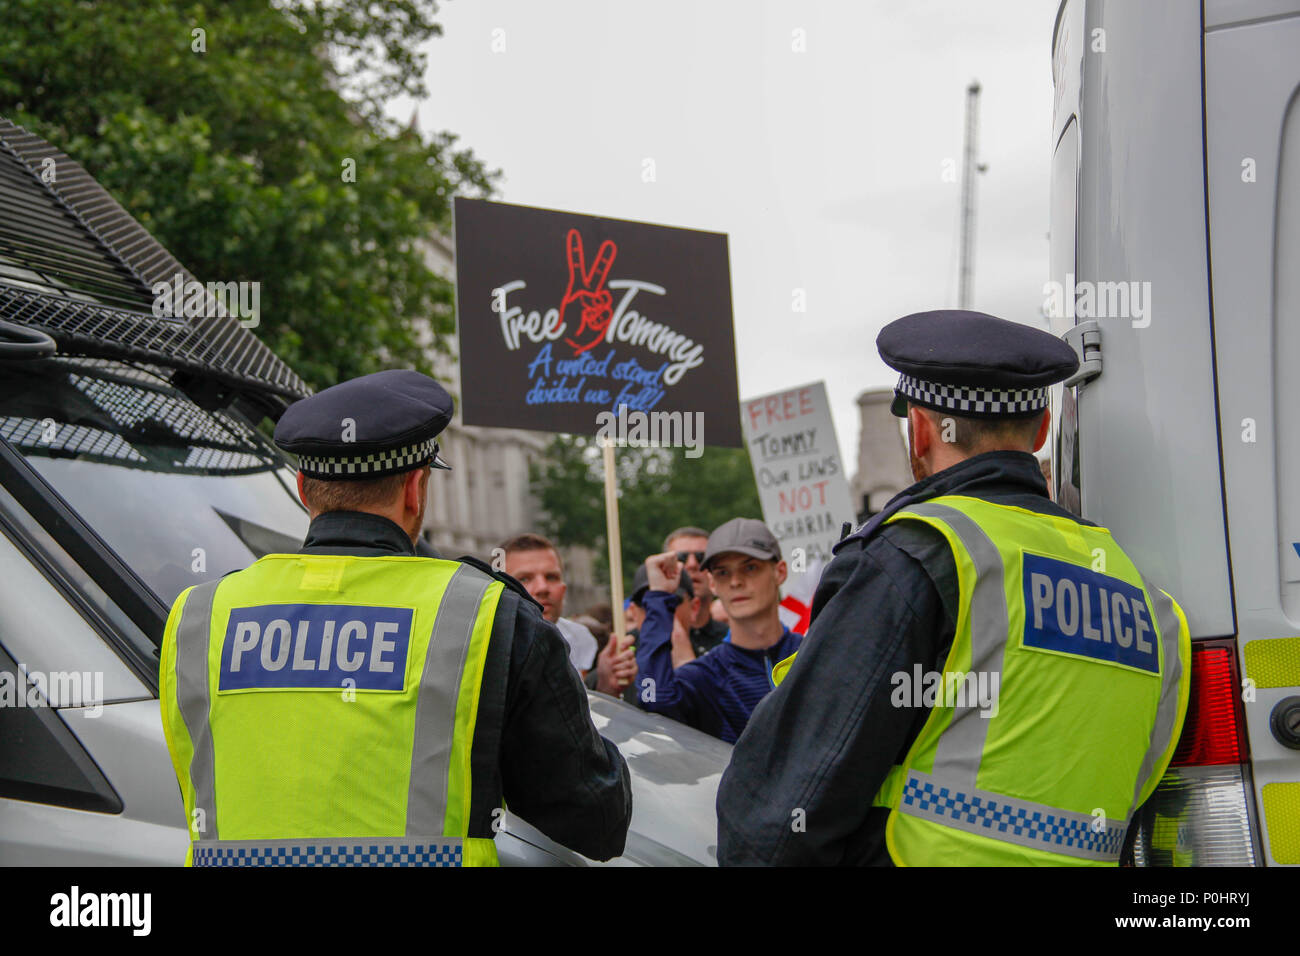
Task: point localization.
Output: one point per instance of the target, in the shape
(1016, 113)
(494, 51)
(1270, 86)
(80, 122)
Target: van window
(41, 760)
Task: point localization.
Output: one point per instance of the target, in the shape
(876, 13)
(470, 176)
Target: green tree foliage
(234, 155)
(659, 489)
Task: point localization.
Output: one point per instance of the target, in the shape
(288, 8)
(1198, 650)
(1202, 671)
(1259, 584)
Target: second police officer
(988, 679)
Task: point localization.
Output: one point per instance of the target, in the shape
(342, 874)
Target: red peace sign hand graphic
(587, 294)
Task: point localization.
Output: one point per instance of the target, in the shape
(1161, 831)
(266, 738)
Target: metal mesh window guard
(76, 265)
(109, 412)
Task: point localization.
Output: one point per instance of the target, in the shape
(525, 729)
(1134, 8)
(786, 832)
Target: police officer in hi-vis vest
(988, 679)
(357, 704)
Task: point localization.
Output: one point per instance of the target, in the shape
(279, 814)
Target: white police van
(1175, 269)
(131, 467)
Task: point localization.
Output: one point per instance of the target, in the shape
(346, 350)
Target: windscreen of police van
(182, 494)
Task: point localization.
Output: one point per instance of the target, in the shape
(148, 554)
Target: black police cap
(367, 427)
(972, 364)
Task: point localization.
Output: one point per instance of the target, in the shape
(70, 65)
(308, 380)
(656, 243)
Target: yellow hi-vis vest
(1089, 668)
(320, 710)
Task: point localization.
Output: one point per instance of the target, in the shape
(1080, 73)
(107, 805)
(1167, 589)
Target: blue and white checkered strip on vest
(1013, 821)
(364, 851)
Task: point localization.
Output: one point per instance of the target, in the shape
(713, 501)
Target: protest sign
(801, 481)
(562, 317)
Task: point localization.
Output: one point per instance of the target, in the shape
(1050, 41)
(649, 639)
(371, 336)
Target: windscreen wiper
(23, 342)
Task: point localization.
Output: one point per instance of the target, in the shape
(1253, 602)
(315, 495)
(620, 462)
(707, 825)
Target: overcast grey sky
(824, 167)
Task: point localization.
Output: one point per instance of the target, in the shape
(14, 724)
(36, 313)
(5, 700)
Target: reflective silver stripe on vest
(193, 634)
(435, 709)
(999, 817)
(357, 851)
(1171, 674)
(961, 745)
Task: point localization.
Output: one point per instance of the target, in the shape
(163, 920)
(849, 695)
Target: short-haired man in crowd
(716, 693)
(681, 640)
(686, 612)
(689, 544)
(535, 563)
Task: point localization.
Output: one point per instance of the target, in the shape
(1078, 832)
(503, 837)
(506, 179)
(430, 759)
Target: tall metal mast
(970, 166)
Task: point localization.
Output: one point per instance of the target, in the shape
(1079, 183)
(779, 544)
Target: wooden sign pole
(615, 541)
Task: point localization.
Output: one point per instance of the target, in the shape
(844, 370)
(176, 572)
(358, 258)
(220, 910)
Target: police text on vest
(287, 646)
(1074, 610)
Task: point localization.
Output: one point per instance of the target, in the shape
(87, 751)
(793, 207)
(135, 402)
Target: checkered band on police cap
(389, 462)
(965, 400)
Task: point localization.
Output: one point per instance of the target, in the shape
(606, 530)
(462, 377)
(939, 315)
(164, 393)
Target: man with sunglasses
(689, 544)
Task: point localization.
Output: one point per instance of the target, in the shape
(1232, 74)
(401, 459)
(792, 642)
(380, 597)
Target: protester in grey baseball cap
(716, 693)
(747, 536)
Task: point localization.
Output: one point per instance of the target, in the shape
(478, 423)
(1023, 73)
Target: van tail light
(1214, 731)
(1201, 813)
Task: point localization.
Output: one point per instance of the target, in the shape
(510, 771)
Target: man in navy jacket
(716, 693)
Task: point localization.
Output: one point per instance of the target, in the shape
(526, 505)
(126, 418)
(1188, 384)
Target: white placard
(800, 474)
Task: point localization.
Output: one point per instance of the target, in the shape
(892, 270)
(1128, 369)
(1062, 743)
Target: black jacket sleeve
(557, 772)
(803, 773)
